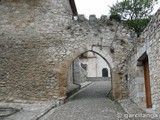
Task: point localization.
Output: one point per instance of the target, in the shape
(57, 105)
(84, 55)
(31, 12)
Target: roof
(73, 7)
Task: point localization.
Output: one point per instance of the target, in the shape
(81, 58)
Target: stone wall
(39, 40)
(149, 43)
(79, 74)
(29, 30)
(76, 76)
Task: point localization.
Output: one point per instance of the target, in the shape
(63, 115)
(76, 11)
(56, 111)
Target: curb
(38, 117)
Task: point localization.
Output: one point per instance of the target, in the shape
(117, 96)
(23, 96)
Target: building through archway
(94, 64)
(85, 69)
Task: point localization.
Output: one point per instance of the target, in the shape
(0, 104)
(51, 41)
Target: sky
(97, 7)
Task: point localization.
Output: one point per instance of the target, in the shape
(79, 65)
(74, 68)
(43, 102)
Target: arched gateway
(63, 67)
(36, 50)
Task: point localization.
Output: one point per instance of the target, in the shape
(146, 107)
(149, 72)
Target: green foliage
(138, 25)
(136, 12)
(116, 17)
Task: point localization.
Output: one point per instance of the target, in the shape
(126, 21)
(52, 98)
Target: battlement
(92, 18)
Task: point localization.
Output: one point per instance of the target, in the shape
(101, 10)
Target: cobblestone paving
(91, 103)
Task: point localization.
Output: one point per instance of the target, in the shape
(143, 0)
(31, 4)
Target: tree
(136, 13)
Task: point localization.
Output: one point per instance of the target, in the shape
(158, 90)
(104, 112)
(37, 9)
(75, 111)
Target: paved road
(91, 103)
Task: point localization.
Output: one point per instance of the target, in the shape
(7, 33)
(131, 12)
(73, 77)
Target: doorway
(147, 82)
(104, 72)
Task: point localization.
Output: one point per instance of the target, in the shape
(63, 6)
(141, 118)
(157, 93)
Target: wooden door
(147, 84)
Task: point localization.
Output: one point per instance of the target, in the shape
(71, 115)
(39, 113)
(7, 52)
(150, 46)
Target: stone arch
(62, 68)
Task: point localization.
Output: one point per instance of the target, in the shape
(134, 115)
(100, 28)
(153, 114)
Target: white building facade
(95, 65)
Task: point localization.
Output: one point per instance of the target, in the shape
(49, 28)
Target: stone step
(98, 78)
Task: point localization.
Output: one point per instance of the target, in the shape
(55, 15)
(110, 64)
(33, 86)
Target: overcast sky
(97, 7)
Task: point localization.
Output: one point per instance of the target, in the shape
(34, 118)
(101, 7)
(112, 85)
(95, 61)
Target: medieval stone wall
(39, 40)
(149, 43)
(28, 29)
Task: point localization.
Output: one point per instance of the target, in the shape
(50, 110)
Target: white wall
(76, 74)
(100, 65)
(95, 64)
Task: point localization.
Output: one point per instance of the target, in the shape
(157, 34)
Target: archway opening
(88, 68)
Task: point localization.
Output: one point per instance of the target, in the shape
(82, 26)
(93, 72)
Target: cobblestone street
(91, 103)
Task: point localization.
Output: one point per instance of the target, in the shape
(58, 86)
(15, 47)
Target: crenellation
(104, 18)
(92, 18)
(81, 17)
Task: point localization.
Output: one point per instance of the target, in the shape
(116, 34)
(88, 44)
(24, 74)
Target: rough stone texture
(76, 76)
(80, 75)
(38, 42)
(28, 30)
(149, 42)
